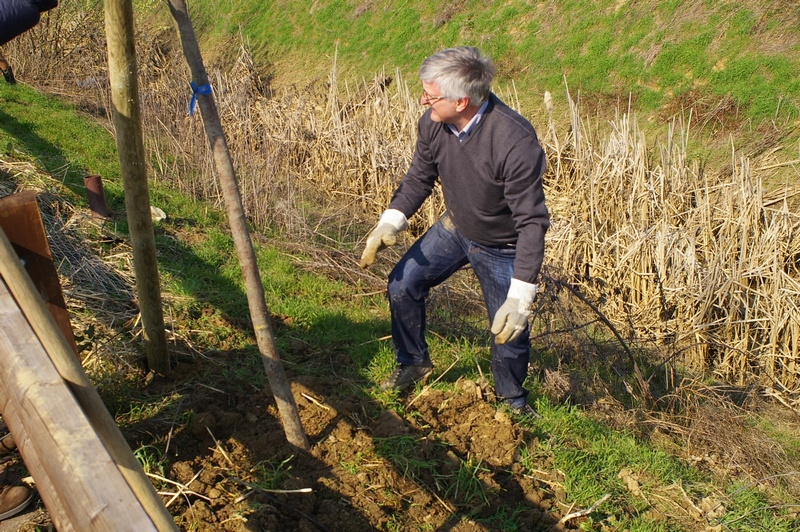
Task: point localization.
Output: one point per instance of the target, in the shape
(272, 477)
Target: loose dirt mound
(451, 463)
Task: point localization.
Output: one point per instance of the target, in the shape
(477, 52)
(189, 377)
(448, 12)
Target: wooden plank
(69, 368)
(80, 483)
(22, 223)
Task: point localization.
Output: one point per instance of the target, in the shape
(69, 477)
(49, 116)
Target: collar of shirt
(471, 124)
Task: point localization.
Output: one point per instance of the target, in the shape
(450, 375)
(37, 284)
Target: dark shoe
(526, 410)
(8, 74)
(404, 375)
(7, 445)
(14, 499)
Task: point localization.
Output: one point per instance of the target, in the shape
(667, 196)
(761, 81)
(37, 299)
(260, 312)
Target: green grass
(592, 457)
(58, 138)
(652, 50)
(151, 459)
(468, 487)
(271, 474)
(403, 453)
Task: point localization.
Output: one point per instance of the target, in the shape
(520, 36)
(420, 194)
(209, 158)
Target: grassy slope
(735, 63)
(48, 130)
(654, 51)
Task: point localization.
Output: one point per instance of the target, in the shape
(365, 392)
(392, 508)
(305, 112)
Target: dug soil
(451, 463)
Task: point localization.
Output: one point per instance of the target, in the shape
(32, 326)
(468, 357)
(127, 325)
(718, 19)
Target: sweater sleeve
(18, 16)
(417, 184)
(525, 165)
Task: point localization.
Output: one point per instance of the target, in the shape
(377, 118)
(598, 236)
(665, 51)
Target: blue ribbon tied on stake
(197, 89)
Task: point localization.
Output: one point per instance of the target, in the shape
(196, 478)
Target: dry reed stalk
(675, 247)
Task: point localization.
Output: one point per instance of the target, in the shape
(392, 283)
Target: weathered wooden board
(77, 479)
(22, 223)
(29, 301)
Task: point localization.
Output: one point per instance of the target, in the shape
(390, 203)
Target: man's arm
(525, 196)
(414, 187)
(524, 193)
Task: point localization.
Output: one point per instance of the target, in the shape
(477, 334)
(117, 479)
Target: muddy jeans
(439, 253)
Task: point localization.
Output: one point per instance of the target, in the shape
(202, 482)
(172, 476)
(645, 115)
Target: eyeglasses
(427, 99)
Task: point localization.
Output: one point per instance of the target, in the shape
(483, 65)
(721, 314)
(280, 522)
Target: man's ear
(462, 103)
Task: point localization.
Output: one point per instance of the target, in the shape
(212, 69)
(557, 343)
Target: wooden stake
(21, 220)
(127, 121)
(67, 365)
(241, 234)
(75, 475)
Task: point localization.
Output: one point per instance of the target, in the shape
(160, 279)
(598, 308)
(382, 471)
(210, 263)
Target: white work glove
(512, 316)
(392, 222)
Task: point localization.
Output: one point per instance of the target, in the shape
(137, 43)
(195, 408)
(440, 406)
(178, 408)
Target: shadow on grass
(32, 138)
(31, 142)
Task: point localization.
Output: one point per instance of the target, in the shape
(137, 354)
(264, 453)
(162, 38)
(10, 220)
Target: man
(490, 165)
(5, 69)
(16, 17)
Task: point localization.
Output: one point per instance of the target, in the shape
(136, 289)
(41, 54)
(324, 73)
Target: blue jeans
(439, 253)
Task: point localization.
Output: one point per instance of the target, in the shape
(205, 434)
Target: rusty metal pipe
(96, 196)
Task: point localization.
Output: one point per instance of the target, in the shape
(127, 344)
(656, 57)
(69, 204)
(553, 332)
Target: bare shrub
(65, 55)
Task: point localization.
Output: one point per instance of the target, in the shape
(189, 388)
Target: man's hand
(512, 316)
(384, 235)
(392, 222)
(510, 320)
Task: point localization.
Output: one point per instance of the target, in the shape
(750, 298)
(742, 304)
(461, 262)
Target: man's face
(442, 110)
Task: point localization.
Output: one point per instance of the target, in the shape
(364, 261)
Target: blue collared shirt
(471, 124)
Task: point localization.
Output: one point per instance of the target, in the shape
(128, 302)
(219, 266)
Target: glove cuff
(394, 218)
(523, 291)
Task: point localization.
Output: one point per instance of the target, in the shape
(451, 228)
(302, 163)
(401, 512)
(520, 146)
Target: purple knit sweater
(492, 182)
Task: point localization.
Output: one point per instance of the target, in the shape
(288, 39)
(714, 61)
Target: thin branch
(643, 385)
(587, 511)
(426, 388)
(265, 493)
(172, 426)
(220, 449)
(315, 401)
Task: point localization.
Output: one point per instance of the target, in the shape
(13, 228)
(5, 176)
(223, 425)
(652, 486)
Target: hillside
(668, 396)
(736, 62)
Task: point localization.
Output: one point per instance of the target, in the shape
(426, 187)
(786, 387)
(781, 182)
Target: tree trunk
(127, 122)
(241, 234)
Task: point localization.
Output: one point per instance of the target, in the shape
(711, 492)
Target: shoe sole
(14, 511)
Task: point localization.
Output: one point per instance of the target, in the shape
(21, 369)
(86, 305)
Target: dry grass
(95, 271)
(717, 429)
(707, 265)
